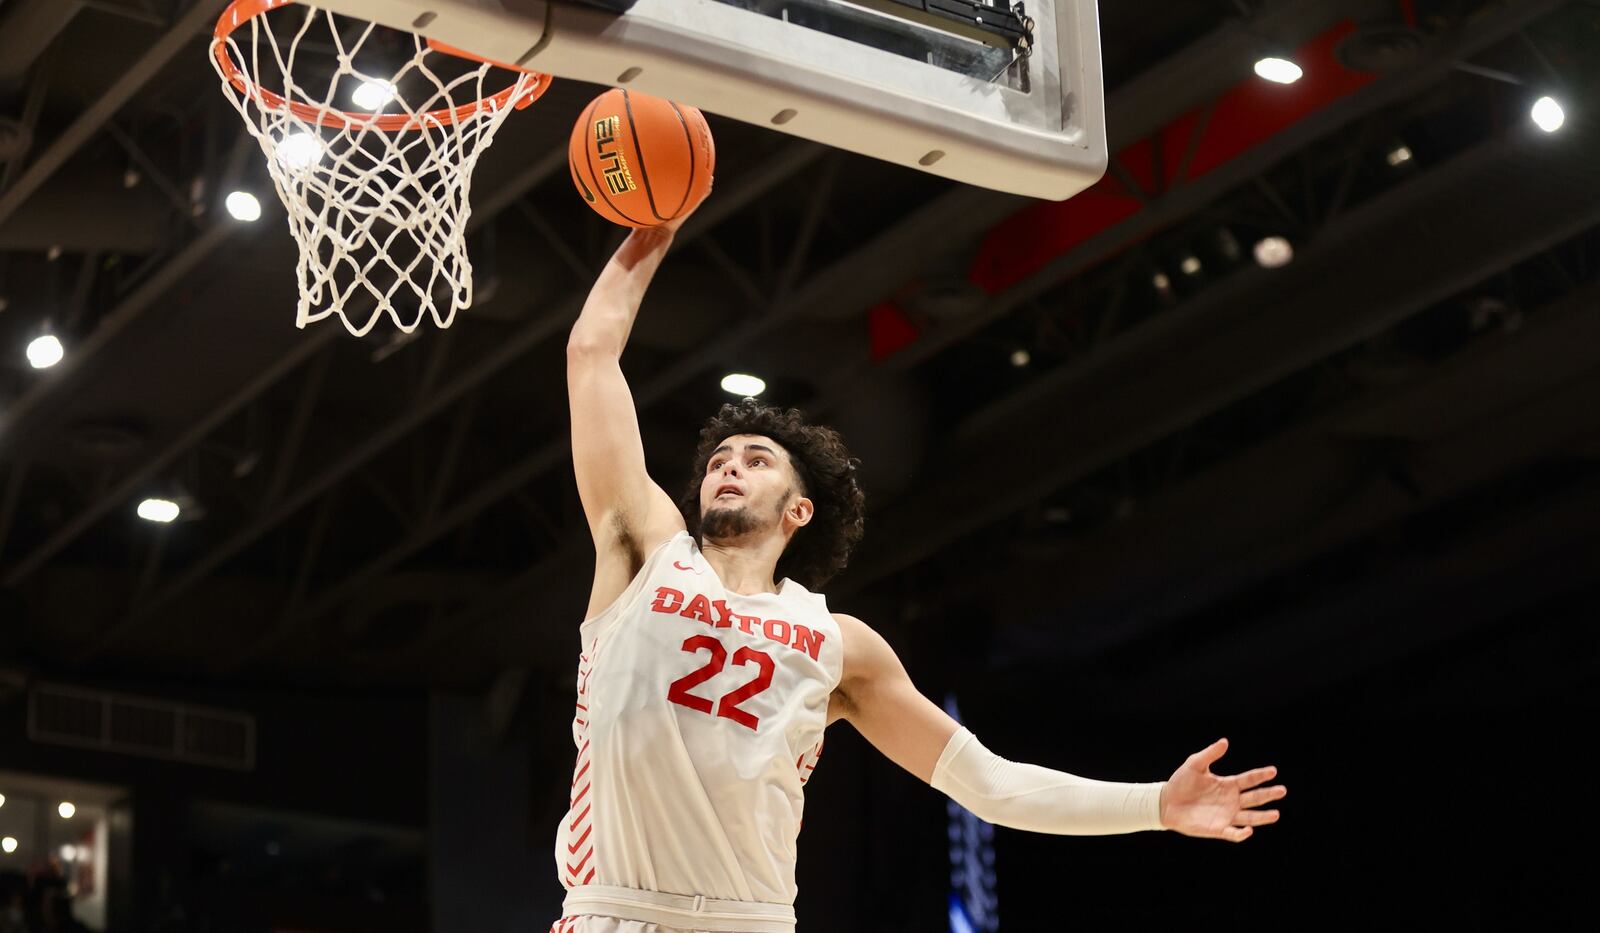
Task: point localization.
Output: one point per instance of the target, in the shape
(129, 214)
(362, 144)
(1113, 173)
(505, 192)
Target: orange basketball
(640, 160)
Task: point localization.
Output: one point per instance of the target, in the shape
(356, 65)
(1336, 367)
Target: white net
(370, 138)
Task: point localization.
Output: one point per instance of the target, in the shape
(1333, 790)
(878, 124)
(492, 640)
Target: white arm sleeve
(1040, 800)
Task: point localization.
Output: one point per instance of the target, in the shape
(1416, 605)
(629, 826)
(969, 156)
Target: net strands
(378, 202)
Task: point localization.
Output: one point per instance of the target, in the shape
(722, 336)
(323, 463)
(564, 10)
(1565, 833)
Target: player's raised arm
(628, 513)
(878, 698)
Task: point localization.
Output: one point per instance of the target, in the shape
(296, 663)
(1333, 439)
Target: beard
(721, 523)
(724, 523)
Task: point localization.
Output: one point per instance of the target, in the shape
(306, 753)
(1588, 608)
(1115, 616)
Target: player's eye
(760, 460)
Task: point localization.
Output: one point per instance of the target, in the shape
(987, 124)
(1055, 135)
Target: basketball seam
(599, 189)
(583, 135)
(688, 137)
(644, 173)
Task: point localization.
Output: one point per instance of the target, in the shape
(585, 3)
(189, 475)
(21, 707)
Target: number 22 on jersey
(728, 706)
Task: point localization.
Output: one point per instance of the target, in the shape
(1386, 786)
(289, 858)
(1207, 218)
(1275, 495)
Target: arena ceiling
(1092, 424)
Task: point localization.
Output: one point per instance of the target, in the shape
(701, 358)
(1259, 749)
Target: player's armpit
(877, 696)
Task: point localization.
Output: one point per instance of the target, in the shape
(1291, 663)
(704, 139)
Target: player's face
(749, 486)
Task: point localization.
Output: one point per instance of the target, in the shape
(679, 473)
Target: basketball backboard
(1002, 95)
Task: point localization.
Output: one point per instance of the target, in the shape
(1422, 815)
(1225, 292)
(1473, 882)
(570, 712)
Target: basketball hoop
(378, 201)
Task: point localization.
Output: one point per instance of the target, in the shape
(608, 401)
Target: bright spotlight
(9, 844)
(67, 810)
(1548, 115)
(1279, 70)
(372, 95)
(2, 800)
(742, 385)
(1399, 156)
(1161, 282)
(69, 853)
(158, 510)
(299, 151)
(243, 206)
(1274, 252)
(45, 352)
(1020, 358)
(1190, 265)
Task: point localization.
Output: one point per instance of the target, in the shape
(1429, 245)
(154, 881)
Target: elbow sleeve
(1038, 799)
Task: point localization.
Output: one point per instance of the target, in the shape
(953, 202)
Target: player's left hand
(1196, 802)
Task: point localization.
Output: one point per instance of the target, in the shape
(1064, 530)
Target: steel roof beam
(316, 341)
(1416, 246)
(200, 17)
(26, 30)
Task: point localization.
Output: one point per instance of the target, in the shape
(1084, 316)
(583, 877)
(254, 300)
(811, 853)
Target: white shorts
(587, 924)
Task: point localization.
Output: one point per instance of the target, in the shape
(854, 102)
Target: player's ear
(799, 512)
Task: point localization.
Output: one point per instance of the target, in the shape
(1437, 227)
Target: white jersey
(699, 718)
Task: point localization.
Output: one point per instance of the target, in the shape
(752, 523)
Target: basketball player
(710, 667)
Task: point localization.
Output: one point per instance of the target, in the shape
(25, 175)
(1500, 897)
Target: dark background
(1343, 513)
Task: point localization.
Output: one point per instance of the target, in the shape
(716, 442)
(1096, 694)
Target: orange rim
(240, 12)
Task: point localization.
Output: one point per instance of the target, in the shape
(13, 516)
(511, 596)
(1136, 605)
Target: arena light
(2, 800)
(299, 151)
(372, 95)
(1279, 70)
(45, 351)
(1020, 357)
(67, 810)
(743, 385)
(243, 206)
(164, 511)
(1399, 156)
(1274, 252)
(1190, 265)
(69, 853)
(1548, 114)
(8, 844)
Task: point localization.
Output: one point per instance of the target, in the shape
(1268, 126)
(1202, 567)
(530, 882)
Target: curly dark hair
(827, 477)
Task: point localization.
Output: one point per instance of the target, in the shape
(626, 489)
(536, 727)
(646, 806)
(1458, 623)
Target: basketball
(639, 160)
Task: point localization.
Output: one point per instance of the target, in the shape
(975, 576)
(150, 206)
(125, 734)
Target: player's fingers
(1248, 818)
(1206, 756)
(1255, 798)
(1254, 776)
(1237, 833)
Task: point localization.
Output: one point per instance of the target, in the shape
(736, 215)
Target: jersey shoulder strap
(674, 547)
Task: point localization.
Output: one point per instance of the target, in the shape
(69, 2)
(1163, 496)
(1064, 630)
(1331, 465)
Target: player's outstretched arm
(628, 514)
(878, 698)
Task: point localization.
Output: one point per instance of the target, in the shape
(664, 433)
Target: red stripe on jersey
(576, 845)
